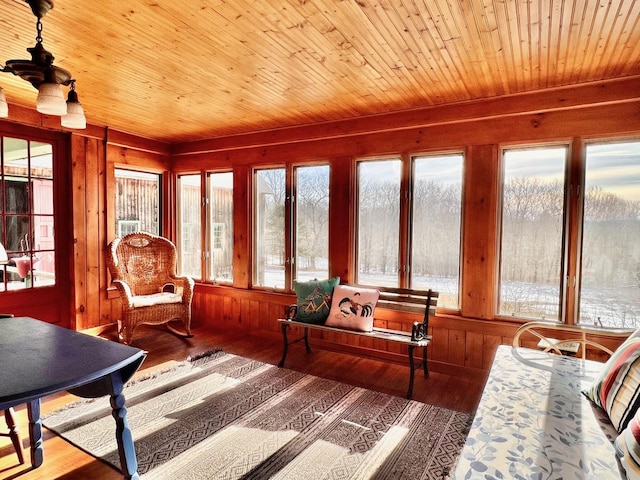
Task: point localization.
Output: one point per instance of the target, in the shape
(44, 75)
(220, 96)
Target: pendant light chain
(39, 30)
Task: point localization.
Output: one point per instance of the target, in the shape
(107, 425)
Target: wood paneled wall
(94, 161)
(461, 346)
(464, 342)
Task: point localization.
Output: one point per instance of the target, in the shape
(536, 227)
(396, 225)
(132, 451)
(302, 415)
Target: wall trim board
(21, 115)
(620, 119)
(243, 293)
(502, 328)
(134, 142)
(620, 90)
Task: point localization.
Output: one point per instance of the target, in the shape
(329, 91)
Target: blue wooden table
(38, 359)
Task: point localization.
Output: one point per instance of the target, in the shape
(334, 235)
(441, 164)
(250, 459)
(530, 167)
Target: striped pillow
(617, 387)
(627, 447)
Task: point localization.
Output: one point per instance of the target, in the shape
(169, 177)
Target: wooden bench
(405, 300)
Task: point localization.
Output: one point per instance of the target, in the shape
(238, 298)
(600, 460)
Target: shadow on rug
(224, 416)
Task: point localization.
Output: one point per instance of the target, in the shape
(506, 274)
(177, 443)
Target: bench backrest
(407, 300)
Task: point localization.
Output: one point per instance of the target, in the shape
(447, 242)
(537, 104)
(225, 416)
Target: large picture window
(311, 222)
(435, 222)
(269, 228)
(27, 251)
(378, 222)
(220, 226)
(610, 280)
(190, 225)
(290, 225)
(137, 202)
(408, 224)
(531, 257)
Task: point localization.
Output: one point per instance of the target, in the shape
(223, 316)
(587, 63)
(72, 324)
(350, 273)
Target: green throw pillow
(314, 300)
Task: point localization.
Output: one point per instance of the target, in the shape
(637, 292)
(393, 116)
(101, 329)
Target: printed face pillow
(352, 308)
(314, 300)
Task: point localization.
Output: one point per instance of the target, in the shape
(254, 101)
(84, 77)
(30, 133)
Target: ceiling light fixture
(46, 78)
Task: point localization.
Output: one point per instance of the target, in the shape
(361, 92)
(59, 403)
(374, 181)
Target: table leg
(124, 438)
(14, 435)
(35, 433)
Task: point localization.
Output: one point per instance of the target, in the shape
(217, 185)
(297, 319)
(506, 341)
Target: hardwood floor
(64, 461)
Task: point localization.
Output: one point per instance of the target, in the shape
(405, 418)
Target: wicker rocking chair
(143, 269)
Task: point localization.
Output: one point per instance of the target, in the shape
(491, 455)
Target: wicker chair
(143, 269)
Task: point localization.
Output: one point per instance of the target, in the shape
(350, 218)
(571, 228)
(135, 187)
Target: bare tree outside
(532, 235)
(270, 194)
(378, 222)
(436, 218)
(531, 229)
(312, 223)
(532, 232)
(610, 280)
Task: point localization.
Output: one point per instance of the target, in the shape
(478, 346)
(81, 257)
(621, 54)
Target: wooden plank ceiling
(188, 70)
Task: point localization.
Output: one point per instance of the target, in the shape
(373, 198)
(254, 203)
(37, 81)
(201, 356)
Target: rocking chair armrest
(187, 285)
(125, 292)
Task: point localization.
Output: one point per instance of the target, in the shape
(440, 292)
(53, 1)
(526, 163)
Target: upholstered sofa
(535, 419)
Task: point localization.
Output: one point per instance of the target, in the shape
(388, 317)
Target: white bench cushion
(156, 299)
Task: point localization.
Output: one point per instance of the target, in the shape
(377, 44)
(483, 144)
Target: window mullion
(289, 218)
(404, 256)
(573, 232)
(206, 227)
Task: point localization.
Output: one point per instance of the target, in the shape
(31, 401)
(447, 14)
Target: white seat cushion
(156, 299)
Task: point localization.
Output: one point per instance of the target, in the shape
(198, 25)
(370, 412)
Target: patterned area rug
(228, 417)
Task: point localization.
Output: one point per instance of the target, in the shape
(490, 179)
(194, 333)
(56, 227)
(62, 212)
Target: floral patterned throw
(533, 422)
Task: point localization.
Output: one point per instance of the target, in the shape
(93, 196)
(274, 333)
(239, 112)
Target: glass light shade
(75, 113)
(51, 100)
(4, 108)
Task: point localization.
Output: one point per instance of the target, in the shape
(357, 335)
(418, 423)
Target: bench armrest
(291, 311)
